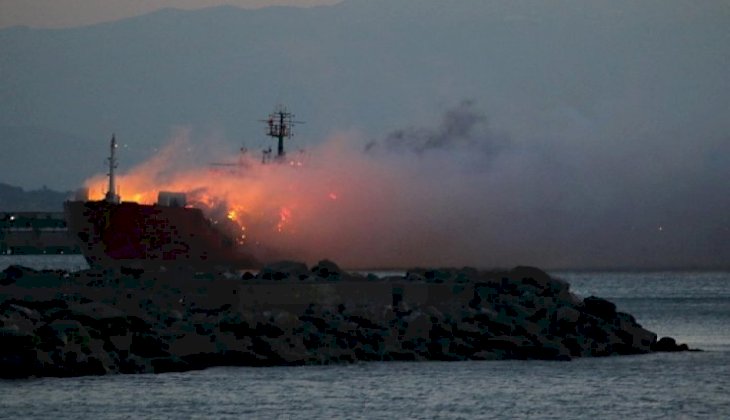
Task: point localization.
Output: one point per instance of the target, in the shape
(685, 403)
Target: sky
(70, 13)
(440, 132)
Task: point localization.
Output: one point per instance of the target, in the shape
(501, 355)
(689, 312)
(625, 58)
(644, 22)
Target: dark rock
(328, 270)
(669, 344)
(433, 276)
(443, 275)
(148, 346)
(665, 344)
(133, 272)
(599, 307)
(466, 275)
(638, 339)
(12, 273)
(28, 278)
(41, 305)
(530, 276)
(28, 313)
(17, 353)
(170, 364)
(283, 270)
(129, 363)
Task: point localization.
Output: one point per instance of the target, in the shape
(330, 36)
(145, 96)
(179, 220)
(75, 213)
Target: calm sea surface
(693, 307)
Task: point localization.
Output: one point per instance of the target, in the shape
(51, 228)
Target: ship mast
(279, 126)
(111, 194)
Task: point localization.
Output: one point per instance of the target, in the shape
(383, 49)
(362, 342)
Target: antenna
(279, 126)
(111, 194)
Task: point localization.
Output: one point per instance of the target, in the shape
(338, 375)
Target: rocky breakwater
(55, 323)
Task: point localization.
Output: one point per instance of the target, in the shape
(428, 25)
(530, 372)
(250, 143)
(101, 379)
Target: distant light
(12, 218)
(661, 228)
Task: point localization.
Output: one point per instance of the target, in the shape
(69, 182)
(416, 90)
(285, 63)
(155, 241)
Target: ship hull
(151, 236)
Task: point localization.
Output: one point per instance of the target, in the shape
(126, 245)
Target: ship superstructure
(112, 232)
(279, 126)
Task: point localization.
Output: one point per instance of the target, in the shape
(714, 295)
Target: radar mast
(279, 126)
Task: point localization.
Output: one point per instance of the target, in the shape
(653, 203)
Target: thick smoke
(462, 193)
(462, 127)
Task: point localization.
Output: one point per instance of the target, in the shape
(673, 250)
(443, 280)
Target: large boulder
(284, 270)
(668, 344)
(599, 307)
(327, 270)
(14, 272)
(17, 353)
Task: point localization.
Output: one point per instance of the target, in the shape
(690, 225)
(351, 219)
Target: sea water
(68, 262)
(693, 307)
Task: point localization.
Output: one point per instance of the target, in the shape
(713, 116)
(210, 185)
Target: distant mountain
(36, 156)
(16, 199)
(369, 65)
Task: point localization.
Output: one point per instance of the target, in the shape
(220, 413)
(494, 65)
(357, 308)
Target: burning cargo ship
(169, 233)
(112, 232)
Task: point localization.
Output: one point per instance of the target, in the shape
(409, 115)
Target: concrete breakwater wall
(54, 323)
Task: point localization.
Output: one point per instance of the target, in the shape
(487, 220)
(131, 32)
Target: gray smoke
(458, 193)
(462, 127)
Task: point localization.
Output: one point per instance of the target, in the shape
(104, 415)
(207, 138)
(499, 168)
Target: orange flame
(284, 218)
(256, 201)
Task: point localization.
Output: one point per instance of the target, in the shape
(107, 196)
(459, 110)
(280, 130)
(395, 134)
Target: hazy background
(561, 134)
(69, 13)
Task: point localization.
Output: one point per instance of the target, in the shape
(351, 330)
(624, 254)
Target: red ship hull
(139, 235)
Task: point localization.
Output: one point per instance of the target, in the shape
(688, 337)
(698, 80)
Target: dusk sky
(597, 132)
(69, 13)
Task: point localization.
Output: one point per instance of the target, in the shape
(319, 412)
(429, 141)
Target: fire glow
(341, 204)
(260, 204)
